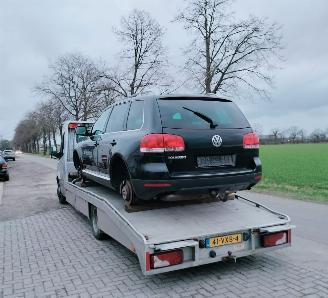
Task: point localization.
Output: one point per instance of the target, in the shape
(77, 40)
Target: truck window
(118, 117)
(136, 115)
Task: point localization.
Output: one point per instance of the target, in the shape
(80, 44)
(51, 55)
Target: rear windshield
(198, 113)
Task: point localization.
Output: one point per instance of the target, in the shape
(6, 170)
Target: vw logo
(217, 141)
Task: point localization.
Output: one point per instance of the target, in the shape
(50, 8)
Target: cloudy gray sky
(34, 33)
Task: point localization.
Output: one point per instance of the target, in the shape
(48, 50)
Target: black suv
(166, 146)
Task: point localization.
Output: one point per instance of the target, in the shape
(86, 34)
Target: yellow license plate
(225, 240)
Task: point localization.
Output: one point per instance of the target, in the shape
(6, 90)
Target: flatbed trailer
(179, 235)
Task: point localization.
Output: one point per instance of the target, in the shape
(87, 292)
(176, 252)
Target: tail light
(274, 239)
(4, 166)
(165, 259)
(162, 143)
(73, 125)
(251, 141)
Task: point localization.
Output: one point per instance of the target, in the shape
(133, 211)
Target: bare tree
(293, 132)
(74, 83)
(302, 134)
(27, 134)
(318, 135)
(225, 54)
(143, 56)
(275, 133)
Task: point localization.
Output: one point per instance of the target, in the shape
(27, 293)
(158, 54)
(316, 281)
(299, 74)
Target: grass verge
(295, 170)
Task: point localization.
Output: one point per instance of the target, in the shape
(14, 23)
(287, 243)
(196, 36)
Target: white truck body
(189, 228)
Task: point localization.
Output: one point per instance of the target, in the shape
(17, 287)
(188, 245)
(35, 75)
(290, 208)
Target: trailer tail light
(157, 143)
(274, 239)
(165, 259)
(251, 141)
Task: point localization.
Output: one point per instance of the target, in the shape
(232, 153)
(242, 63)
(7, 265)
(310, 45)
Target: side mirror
(57, 155)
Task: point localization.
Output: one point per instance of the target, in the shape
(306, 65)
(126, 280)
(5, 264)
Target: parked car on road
(9, 154)
(4, 175)
(166, 147)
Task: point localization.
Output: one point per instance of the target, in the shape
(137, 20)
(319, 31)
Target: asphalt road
(31, 189)
(47, 250)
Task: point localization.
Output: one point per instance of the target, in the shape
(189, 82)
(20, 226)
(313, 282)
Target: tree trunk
(44, 142)
(54, 137)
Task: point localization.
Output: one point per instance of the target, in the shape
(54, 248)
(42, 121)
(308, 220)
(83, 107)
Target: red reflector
(72, 125)
(258, 178)
(147, 261)
(275, 239)
(157, 185)
(251, 141)
(165, 259)
(162, 143)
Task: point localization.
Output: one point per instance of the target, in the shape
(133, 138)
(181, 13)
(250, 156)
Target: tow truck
(167, 236)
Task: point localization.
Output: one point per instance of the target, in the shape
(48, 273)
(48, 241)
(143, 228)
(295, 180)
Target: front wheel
(99, 234)
(61, 197)
(128, 194)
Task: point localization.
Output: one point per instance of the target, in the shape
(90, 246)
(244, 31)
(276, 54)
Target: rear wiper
(204, 117)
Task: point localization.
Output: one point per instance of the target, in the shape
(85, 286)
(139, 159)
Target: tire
(61, 197)
(97, 233)
(128, 194)
(6, 178)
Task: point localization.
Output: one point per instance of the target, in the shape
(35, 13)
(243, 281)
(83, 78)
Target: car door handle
(113, 142)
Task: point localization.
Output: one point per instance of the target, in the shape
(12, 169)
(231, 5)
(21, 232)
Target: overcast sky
(34, 33)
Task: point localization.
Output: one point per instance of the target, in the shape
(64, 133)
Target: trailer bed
(171, 236)
(193, 220)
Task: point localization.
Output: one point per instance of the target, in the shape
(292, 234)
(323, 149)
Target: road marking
(1, 192)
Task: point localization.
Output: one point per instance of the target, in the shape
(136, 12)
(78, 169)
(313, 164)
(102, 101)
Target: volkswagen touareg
(166, 147)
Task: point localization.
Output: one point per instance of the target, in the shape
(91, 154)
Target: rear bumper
(9, 157)
(148, 189)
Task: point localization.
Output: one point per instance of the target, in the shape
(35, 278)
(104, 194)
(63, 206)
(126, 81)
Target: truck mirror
(57, 155)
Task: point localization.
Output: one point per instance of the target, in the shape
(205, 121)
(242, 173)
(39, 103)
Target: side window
(117, 119)
(136, 115)
(99, 126)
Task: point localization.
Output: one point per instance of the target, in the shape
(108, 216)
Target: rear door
(213, 132)
(115, 126)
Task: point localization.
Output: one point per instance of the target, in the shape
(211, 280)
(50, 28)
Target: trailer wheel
(128, 194)
(99, 234)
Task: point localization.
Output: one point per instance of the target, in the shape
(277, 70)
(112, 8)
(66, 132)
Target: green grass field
(298, 170)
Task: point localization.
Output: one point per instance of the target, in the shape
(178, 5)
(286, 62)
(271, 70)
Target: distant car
(157, 146)
(3, 169)
(9, 154)
(18, 152)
